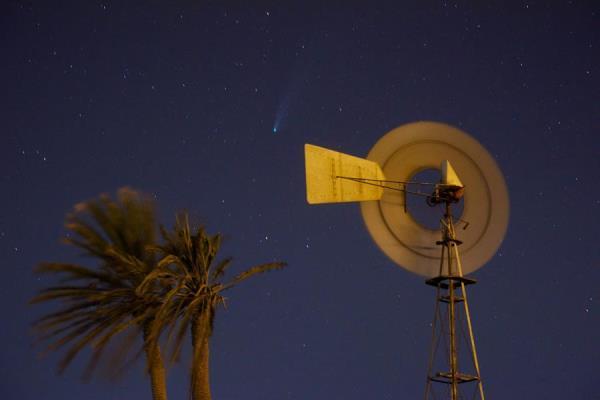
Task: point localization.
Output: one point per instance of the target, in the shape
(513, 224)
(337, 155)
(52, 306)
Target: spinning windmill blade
(412, 148)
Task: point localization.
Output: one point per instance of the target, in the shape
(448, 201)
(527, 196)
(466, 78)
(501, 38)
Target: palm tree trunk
(200, 382)
(156, 367)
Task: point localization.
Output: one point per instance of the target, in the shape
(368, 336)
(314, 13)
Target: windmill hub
(428, 208)
(450, 188)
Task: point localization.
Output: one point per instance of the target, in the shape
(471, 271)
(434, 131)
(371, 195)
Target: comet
(282, 113)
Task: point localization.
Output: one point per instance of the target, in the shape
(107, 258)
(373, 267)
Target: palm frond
(66, 312)
(118, 360)
(258, 269)
(76, 272)
(60, 292)
(53, 329)
(95, 330)
(184, 324)
(219, 270)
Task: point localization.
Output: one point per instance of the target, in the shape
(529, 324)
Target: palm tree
(189, 262)
(100, 302)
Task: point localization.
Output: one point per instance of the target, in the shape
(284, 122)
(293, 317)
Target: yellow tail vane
(333, 177)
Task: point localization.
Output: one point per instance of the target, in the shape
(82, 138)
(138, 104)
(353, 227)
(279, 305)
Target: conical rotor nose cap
(449, 176)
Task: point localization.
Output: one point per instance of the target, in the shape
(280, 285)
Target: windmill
(383, 183)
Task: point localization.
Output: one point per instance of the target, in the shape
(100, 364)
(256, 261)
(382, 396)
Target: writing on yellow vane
(334, 177)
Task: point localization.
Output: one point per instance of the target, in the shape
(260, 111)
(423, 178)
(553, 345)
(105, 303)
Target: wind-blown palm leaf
(220, 268)
(75, 272)
(120, 358)
(259, 269)
(101, 302)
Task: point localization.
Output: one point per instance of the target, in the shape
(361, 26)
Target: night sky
(206, 107)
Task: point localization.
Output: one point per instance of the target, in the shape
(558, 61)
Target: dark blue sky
(179, 99)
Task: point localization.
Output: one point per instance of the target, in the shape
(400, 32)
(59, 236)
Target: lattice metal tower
(447, 325)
